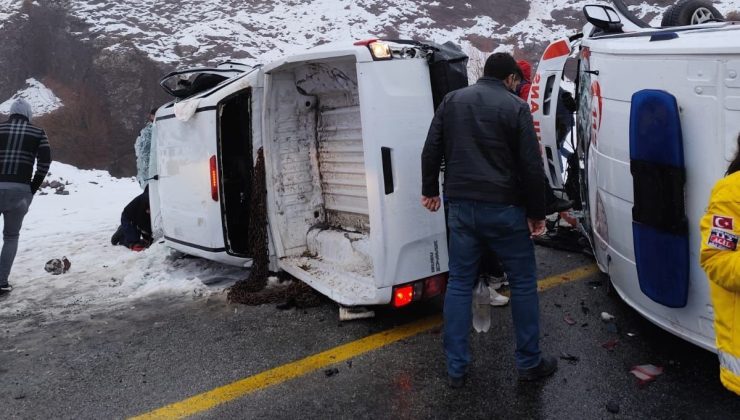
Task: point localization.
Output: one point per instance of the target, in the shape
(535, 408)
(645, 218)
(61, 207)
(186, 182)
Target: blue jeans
(503, 229)
(13, 206)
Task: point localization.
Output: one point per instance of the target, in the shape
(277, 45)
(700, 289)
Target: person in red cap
(526, 83)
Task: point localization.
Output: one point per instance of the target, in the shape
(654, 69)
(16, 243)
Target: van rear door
(205, 160)
(408, 242)
(543, 102)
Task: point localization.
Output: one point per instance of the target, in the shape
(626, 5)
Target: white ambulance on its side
(657, 123)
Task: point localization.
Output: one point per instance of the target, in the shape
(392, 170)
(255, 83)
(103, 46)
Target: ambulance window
(548, 95)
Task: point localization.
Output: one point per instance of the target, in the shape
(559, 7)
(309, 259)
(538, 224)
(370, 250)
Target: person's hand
(536, 227)
(431, 203)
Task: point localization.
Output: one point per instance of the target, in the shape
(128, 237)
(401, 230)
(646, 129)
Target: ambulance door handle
(385, 153)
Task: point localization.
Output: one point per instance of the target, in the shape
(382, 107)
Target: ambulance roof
(717, 38)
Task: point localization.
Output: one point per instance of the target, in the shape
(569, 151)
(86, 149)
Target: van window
(548, 95)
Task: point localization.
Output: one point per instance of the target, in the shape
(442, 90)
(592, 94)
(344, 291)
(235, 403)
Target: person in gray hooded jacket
(21, 145)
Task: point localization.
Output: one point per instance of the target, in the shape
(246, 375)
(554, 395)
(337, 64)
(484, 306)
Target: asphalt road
(161, 351)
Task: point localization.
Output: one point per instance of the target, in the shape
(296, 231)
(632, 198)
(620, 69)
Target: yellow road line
(573, 275)
(210, 399)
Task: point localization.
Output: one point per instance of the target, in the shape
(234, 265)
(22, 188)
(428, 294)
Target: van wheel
(690, 12)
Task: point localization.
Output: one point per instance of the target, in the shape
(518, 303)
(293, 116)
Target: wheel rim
(701, 15)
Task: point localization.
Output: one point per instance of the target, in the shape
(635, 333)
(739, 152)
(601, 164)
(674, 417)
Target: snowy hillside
(102, 276)
(262, 30)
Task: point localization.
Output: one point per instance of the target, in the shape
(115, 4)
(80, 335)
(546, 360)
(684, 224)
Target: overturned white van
(342, 127)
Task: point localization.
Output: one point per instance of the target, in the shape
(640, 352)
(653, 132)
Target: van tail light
(214, 179)
(421, 289)
(403, 295)
(435, 285)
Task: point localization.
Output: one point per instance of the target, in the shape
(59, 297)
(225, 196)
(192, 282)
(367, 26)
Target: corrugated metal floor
(342, 168)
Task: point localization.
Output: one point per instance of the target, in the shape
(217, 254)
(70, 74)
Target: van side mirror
(603, 17)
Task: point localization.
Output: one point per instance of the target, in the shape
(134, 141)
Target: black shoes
(456, 382)
(116, 238)
(548, 365)
(5, 289)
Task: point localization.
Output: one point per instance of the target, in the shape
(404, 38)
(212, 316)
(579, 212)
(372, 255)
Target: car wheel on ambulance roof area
(690, 12)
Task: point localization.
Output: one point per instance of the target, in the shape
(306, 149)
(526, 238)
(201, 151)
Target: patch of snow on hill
(41, 98)
(8, 8)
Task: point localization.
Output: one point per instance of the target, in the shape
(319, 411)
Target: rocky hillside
(103, 59)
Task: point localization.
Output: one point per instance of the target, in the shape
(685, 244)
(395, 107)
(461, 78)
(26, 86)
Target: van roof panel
(714, 39)
(322, 52)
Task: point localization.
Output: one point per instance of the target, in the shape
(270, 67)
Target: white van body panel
(191, 220)
(154, 205)
(700, 68)
(325, 52)
(543, 100)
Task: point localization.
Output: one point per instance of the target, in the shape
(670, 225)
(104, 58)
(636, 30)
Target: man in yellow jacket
(720, 259)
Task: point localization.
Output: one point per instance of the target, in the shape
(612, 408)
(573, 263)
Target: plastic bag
(481, 307)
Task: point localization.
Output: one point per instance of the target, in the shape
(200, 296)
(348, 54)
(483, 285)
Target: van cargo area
(318, 169)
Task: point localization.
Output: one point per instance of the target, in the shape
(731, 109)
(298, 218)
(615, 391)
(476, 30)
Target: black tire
(690, 12)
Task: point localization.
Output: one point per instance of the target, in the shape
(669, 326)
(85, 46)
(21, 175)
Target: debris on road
(607, 317)
(611, 344)
(56, 266)
(569, 358)
(584, 308)
(569, 320)
(595, 283)
(646, 373)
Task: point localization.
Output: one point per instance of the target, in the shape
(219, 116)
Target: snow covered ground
(41, 98)
(102, 276)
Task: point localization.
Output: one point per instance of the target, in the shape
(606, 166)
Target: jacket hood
(21, 107)
(526, 69)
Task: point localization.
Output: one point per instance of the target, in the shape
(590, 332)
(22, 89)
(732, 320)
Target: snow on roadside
(41, 98)
(102, 276)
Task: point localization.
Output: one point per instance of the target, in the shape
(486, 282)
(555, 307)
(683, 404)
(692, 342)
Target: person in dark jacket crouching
(135, 231)
(21, 145)
(495, 187)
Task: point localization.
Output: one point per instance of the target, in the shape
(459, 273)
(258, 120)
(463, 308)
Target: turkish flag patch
(723, 222)
(723, 240)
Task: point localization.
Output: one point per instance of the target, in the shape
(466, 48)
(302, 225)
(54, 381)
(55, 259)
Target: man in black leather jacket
(495, 187)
